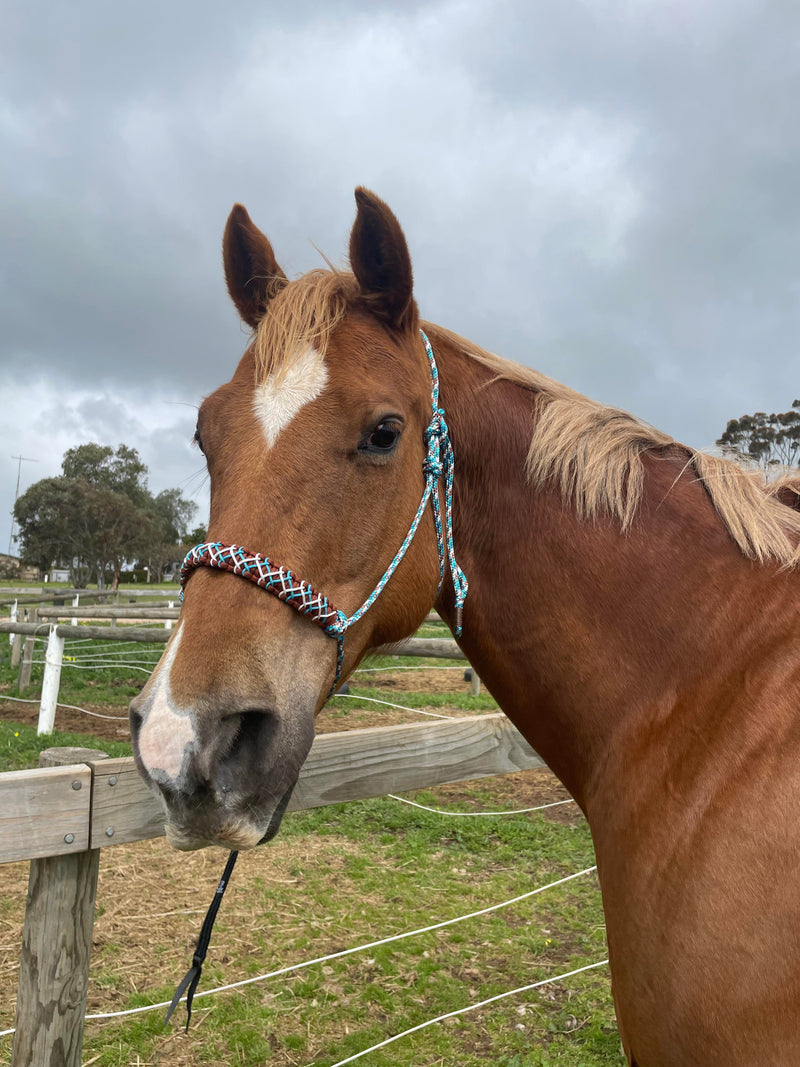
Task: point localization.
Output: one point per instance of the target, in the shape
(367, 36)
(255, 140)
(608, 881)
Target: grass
(337, 877)
(20, 746)
(346, 875)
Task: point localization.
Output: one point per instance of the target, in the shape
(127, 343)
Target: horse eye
(196, 440)
(382, 439)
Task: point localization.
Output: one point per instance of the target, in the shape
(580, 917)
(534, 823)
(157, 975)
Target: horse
(631, 604)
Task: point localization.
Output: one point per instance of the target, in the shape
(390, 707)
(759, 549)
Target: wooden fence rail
(429, 647)
(60, 816)
(116, 595)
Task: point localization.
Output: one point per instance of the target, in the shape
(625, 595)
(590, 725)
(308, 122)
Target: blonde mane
(592, 453)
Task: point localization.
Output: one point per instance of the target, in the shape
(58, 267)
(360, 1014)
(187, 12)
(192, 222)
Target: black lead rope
(192, 976)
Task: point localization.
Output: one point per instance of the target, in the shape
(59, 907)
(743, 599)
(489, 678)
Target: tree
(122, 471)
(172, 514)
(48, 522)
(99, 514)
(768, 440)
(113, 529)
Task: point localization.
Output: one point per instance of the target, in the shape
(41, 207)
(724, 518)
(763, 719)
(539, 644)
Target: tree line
(99, 515)
(769, 441)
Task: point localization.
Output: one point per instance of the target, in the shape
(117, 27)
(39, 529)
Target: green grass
(379, 867)
(20, 746)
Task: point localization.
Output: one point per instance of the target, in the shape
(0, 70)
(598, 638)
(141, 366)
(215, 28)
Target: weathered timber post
(76, 602)
(475, 683)
(168, 622)
(16, 649)
(24, 676)
(12, 617)
(51, 681)
(56, 947)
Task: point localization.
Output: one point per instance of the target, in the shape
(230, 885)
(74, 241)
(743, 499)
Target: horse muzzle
(225, 781)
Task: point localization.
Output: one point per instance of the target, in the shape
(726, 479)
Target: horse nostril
(135, 720)
(243, 763)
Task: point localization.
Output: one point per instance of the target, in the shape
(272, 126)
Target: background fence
(56, 634)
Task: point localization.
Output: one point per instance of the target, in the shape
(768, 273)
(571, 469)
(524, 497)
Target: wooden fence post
(24, 676)
(474, 683)
(12, 617)
(56, 946)
(76, 602)
(16, 649)
(51, 681)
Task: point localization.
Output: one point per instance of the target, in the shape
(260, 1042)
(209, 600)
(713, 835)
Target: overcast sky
(606, 190)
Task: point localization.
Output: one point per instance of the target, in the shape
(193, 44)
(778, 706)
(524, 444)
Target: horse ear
(381, 263)
(251, 271)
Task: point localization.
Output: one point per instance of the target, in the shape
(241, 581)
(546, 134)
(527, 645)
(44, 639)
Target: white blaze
(278, 399)
(166, 733)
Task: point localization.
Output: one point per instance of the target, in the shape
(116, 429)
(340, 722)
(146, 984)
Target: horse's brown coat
(656, 669)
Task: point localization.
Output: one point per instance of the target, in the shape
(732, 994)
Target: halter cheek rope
(303, 597)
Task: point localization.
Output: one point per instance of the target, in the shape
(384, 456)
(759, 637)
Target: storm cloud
(606, 191)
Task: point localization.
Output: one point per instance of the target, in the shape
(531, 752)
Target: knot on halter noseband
(436, 434)
(302, 596)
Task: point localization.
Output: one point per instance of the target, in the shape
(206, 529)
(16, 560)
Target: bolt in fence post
(24, 677)
(52, 679)
(56, 946)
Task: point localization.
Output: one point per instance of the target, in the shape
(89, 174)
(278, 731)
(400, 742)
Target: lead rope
(192, 976)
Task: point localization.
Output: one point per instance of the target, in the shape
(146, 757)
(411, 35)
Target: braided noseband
(302, 596)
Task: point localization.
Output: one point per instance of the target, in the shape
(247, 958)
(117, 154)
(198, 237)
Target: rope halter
(302, 596)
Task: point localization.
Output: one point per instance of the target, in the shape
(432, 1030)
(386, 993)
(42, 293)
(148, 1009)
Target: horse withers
(632, 606)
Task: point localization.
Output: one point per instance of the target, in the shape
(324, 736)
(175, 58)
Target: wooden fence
(60, 816)
(33, 608)
(430, 647)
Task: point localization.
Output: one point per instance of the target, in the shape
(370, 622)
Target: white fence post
(76, 602)
(50, 682)
(12, 618)
(168, 622)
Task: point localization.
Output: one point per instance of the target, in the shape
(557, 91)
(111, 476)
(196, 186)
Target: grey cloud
(605, 191)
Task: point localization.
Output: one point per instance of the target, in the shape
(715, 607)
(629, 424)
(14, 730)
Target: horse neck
(583, 634)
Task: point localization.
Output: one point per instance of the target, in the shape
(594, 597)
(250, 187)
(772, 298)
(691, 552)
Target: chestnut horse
(632, 606)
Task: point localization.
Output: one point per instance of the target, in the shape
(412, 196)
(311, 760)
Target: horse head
(315, 450)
